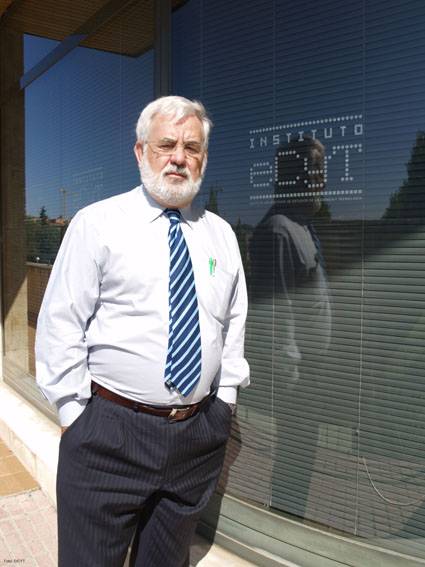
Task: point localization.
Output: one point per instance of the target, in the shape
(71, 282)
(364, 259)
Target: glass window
(77, 122)
(35, 49)
(317, 161)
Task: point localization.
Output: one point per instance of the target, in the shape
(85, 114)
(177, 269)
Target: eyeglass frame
(156, 149)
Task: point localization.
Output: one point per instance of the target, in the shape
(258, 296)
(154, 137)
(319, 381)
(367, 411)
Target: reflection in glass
(353, 454)
(288, 274)
(79, 133)
(391, 460)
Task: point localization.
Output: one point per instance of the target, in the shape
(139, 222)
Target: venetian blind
(332, 240)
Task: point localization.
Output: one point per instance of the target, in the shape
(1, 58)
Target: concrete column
(12, 187)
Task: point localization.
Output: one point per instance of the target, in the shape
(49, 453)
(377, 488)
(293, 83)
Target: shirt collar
(190, 215)
(152, 210)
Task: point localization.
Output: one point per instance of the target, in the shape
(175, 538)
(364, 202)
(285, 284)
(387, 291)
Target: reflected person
(288, 281)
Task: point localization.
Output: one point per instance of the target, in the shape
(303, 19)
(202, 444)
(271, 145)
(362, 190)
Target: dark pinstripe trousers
(123, 473)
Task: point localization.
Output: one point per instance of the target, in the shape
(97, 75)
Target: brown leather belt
(173, 413)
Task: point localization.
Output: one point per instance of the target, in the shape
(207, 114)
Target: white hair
(176, 106)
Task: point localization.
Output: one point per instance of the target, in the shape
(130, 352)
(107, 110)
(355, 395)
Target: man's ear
(138, 151)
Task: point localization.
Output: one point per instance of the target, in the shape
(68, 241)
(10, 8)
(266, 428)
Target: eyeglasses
(169, 147)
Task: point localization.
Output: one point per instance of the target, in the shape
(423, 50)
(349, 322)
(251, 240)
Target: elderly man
(140, 345)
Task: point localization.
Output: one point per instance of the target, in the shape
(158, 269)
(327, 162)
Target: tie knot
(174, 215)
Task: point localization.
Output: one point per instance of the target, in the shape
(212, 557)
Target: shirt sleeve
(69, 302)
(234, 371)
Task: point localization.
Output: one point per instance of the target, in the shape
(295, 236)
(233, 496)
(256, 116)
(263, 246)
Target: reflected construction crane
(65, 195)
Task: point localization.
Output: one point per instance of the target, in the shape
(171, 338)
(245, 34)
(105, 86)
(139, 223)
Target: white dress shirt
(104, 315)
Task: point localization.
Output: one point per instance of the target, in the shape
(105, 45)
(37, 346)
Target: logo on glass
(281, 168)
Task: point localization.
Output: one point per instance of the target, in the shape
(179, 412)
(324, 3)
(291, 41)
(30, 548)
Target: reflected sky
(35, 49)
(284, 63)
(80, 118)
(292, 63)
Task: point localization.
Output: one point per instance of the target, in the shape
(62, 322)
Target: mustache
(180, 169)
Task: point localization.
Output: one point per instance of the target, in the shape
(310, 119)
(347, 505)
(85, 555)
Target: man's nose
(178, 156)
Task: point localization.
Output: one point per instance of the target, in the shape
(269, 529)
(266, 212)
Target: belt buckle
(175, 414)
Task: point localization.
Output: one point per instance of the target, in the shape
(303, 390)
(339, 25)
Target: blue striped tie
(183, 366)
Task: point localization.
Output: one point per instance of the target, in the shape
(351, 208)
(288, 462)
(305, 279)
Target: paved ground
(28, 534)
(28, 530)
(13, 477)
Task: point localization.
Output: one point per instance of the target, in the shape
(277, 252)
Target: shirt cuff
(68, 411)
(228, 394)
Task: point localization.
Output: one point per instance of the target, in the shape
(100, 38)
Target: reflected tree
(409, 200)
(212, 202)
(43, 215)
(44, 236)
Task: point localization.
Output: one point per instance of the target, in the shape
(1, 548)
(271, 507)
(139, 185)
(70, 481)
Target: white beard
(165, 192)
